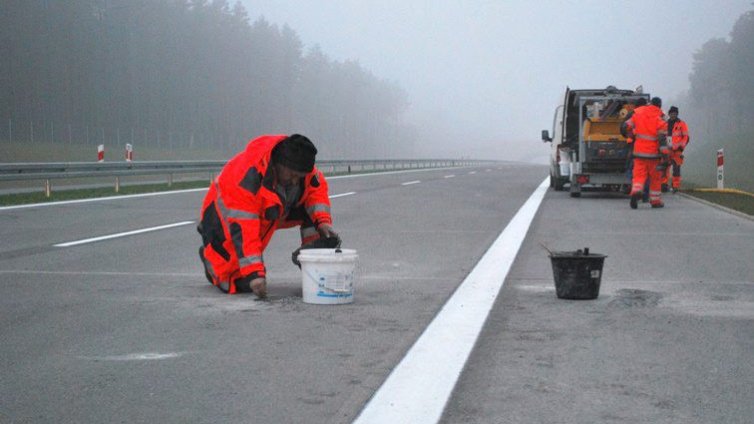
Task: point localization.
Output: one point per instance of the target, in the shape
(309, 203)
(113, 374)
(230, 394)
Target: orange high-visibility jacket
(647, 126)
(242, 201)
(680, 135)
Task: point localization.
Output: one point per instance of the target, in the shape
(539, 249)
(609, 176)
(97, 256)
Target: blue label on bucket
(324, 294)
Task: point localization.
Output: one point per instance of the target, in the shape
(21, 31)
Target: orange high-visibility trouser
(643, 169)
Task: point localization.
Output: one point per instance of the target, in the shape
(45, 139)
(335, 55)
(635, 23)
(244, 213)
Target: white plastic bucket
(327, 275)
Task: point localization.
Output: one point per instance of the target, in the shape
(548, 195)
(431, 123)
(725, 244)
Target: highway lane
(669, 340)
(128, 329)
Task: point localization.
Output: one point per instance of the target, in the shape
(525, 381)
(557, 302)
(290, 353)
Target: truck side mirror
(545, 136)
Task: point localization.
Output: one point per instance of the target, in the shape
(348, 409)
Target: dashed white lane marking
(472, 172)
(342, 194)
(450, 176)
(411, 182)
(127, 233)
(417, 390)
(147, 356)
(191, 190)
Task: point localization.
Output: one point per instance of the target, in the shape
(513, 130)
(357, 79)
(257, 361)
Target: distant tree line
(183, 74)
(721, 104)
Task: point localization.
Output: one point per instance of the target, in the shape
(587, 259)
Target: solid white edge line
(411, 182)
(127, 233)
(333, 196)
(418, 388)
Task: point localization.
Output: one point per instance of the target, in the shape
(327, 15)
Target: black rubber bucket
(577, 274)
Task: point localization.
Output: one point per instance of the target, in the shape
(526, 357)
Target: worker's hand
(326, 230)
(259, 287)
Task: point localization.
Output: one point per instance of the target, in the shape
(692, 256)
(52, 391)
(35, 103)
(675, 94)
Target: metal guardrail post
(117, 184)
(48, 188)
(170, 180)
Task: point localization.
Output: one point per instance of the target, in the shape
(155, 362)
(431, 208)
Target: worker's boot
(204, 264)
(635, 200)
(243, 284)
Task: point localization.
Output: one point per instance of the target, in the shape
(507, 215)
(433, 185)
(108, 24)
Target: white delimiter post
(720, 172)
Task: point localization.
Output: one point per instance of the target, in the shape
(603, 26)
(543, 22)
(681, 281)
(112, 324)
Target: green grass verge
(133, 188)
(739, 202)
(75, 194)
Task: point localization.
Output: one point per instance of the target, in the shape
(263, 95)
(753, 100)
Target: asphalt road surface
(126, 329)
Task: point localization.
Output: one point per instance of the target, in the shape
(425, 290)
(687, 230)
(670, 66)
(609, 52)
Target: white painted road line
(417, 390)
(147, 356)
(128, 233)
(472, 172)
(333, 196)
(411, 182)
(449, 176)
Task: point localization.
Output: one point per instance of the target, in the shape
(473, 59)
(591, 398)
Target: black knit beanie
(295, 152)
(673, 109)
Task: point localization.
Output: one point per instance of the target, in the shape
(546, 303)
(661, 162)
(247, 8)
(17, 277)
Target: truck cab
(588, 150)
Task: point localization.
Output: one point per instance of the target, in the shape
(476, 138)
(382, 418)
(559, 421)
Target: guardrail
(72, 170)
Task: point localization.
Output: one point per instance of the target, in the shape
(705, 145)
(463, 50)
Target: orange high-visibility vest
(647, 126)
(680, 135)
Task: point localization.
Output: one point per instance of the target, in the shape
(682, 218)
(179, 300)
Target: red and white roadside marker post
(129, 152)
(720, 170)
(101, 153)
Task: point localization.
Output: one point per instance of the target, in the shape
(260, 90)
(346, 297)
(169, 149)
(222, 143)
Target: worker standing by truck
(649, 131)
(679, 133)
(629, 135)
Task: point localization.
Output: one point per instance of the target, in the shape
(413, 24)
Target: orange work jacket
(243, 200)
(648, 127)
(679, 135)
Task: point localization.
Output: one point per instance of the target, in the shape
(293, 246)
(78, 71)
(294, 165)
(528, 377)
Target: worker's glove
(326, 230)
(259, 287)
(320, 243)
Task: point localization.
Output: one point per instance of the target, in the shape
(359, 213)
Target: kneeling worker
(272, 184)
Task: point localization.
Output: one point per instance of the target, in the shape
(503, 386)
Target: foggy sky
(484, 76)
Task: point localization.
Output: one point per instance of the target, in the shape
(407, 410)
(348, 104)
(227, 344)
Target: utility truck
(588, 150)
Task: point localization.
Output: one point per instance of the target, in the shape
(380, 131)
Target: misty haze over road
(484, 76)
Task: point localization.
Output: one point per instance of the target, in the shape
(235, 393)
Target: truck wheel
(559, 184)
(575, 190)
